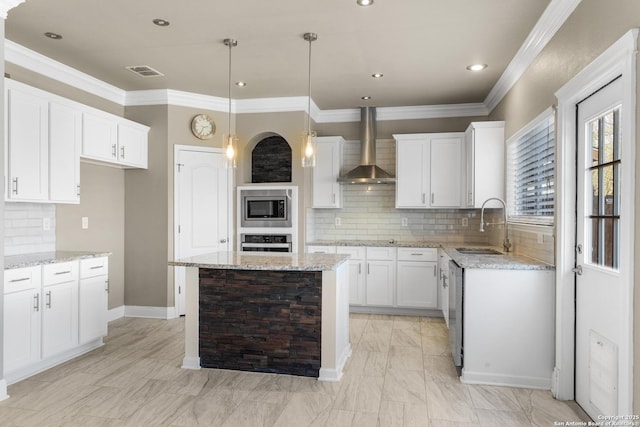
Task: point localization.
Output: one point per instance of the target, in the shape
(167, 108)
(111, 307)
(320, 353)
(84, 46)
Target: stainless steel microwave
(265, 208)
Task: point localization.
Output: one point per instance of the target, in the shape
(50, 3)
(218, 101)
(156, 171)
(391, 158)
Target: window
(531, 172)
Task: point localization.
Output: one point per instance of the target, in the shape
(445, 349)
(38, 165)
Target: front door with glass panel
(602, 227)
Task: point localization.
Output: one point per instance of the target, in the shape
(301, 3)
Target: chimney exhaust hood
(368, 172)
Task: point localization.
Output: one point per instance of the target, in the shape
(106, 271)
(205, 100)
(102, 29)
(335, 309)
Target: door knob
(577, 270)
(223, 240)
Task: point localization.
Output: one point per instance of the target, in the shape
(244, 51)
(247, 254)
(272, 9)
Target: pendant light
(309, 139)
(230, 139)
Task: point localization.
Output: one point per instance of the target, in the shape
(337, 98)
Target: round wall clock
(202, 126)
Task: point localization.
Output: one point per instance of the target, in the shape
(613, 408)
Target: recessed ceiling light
(241, 84)
(53, 36)
(377, 75)
(476, 67)
(161, 22)
(364, 2)
(366, 98)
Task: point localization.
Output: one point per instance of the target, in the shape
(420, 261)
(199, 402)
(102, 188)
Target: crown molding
(7, 5)
(406, 113)
(549, 23)
(38, 63)
(178, 98)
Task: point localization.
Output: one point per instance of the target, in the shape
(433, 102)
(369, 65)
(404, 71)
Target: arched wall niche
(271, 158)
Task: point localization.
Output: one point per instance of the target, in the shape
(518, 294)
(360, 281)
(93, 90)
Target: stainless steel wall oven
(265, 242)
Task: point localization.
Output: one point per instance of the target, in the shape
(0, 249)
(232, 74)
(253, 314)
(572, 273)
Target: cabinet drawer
(20, 279)
(321, 249)
(383, 254)
(356, 252)
(93, 267)
(417, 254)
(59, 273)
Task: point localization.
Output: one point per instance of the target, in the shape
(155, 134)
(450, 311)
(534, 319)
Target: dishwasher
(456, 294)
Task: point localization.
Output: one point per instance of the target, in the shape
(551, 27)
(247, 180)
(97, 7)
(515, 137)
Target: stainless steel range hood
(368, 172)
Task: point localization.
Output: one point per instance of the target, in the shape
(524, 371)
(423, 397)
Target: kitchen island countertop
(42, 258)
(289, 261)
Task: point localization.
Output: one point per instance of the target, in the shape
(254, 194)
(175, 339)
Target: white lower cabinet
(60, 308)
(22, 317)
(417, 284)
(357, 267)
(94, 296)
(41, 309)
(381, 276)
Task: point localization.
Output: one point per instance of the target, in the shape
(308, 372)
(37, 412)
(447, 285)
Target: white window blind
(531, 172)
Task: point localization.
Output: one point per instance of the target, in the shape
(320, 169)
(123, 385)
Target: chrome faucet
(506, 244)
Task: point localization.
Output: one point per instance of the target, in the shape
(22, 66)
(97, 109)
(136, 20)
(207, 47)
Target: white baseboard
(115, 313)
(326, 374)
(149, 312)
(191, 363)
(3, 390)
(542, 383)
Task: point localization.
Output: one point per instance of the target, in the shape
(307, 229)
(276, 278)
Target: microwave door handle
(289, 193)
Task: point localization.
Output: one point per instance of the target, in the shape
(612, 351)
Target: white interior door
(604, 225)
(202, 209)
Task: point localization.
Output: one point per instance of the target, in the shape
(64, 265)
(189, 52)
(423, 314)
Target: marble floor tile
(400, 374)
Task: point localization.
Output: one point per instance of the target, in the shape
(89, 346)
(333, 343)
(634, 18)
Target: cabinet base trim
(115, 313)
(43, 365)
(191, 363)
(425, 312)
(334, 375)
(542, 383)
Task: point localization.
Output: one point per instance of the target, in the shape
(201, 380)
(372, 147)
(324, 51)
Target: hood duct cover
(368, 172)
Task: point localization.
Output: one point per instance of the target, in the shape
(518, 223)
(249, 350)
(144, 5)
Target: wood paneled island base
(285, 313)
(262, 321)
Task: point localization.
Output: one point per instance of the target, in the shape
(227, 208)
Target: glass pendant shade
(230, 150)
(309, 150)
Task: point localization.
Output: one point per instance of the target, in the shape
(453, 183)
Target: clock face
(203, 126)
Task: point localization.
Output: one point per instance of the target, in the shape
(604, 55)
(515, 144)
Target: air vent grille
(144, 71)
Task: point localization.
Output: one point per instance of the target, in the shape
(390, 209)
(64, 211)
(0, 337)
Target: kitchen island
(283, 313)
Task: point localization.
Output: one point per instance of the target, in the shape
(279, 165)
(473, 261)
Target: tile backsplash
(23, 228)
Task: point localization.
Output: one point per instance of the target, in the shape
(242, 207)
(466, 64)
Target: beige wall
(102, 201)
(592, 28)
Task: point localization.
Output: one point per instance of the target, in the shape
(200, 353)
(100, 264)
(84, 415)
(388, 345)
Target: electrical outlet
(405, 222)
(85, 222)
(337, 221)
(540, 238)
(46, 224)
(465, 222)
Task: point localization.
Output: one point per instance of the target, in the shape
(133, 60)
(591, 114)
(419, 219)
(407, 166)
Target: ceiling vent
(144, 71)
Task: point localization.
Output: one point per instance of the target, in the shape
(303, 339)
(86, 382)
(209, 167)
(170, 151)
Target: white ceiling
(421, 46)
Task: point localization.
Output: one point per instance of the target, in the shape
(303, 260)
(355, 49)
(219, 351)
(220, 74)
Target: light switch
(338, 221)
(465, 222)
(405, 222)
(46, 224)
(85, 222)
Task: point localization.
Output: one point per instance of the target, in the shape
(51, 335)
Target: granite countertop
(264, 261)
(376, 243)
(505, 261)
(41, 258)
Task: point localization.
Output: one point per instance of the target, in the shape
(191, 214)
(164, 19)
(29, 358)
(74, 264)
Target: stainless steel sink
(478, 251)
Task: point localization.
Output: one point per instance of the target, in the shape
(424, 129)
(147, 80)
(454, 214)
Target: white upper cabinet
(99, 137)
(132, 144)
(429, 171)
(326, 189)
(484, 146)
(27, 163)
(65, 135)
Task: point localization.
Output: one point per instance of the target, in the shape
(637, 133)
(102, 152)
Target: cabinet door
(380, 282)
(356, 282)
(326, 190)
(99, 138)
(21, 329)
(417, 284)
(92, 316)
(27, 146)
(132, 146)
(59, 318)
(485, 162)
(65, 135)
(446, 171)
(412, 175)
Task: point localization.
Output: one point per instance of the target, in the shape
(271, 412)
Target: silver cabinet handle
(48, 299)
(78, 191)
(359, 268)
(433, 197)
(36, 302)
(424, 198)
(435, 270)
(95, 267)
(113, 151)
(58, 273)
(368, 268)
(106, 286)
(122, 151)
(19, 280)
(333, 198)
(15, 185)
